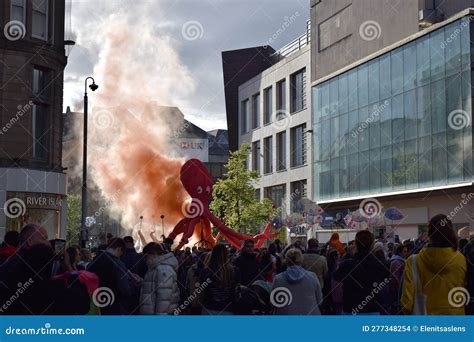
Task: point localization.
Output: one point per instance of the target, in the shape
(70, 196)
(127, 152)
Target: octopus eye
(208, 189)
(199, 189)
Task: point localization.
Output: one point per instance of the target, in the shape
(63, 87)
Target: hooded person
(360, 274)
(12, 270)
(36, 292)
(114, 276)
(315, 262)
(247, 263)
(134, 261)
(441, 269)
(380, 250)
(296, 291)
(159, 293)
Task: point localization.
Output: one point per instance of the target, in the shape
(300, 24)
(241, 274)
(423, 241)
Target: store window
(43, 209)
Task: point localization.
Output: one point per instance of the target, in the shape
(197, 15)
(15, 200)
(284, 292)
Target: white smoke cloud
(129, 158)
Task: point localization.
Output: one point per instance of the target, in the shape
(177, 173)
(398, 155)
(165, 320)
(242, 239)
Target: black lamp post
(163, 224)
(84, 234)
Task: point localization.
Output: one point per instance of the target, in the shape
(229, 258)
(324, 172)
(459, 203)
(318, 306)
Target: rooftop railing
(297, 44)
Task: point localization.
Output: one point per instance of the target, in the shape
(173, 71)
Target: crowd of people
(366, 276)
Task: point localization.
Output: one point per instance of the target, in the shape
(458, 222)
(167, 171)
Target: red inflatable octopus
(198, 183)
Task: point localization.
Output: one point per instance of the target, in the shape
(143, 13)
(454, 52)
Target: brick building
(32, 55)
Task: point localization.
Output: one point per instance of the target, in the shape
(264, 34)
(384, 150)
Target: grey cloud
(227, 24)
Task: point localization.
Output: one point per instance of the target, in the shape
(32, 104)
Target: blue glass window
(387, 124)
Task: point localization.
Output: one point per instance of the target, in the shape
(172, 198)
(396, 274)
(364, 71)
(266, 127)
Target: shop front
(33, 196)
(44, 209)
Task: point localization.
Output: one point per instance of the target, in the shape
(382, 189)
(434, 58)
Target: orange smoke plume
(131, 159)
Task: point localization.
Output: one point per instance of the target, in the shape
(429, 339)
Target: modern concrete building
(32, 54)
(218, 152)
(345, 31)
(392, 110)
(212, 148)
(239, 66)
(274, 119)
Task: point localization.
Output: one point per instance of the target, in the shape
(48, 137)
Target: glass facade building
(400, 121)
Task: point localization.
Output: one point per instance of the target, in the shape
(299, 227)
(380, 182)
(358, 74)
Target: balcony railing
(297, 44)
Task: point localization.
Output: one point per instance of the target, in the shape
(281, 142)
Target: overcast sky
(198, 31)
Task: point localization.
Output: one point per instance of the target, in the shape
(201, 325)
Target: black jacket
(218, 296)
(364, 278)
(26, 287)
(248, 268)
(135, 262)
(113, 275)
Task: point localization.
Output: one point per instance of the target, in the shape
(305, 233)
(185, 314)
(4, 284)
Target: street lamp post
(163, 224)
(84, 237)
